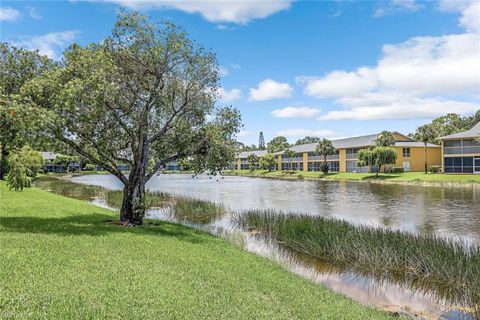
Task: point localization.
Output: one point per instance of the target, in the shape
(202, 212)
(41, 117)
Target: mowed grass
(394, 177)
(60, 260)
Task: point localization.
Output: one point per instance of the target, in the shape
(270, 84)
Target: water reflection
(418, 209)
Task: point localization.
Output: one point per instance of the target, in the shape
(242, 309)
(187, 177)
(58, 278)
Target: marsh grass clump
(68, 189)
(153, 199)
(448, 269)
(196, 210)
(88, 192)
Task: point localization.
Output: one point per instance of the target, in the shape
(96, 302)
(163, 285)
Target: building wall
(305, 161)
(417, 161)
(342, 153)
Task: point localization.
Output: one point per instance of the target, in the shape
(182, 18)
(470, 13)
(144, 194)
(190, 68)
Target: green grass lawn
(59, 260)
(400, 177)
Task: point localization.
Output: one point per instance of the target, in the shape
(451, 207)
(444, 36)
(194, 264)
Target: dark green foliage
(252, 161)
(307, 139)
(324, 168)
(267, 162)
(379, 156)
(435, 169)
(277, 144)
(385, 139)
(397, 170)
(447, 268)
(89, 167)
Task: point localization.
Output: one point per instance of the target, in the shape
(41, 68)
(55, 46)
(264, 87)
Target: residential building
(410, 155)
(242, 158)
(461, 151)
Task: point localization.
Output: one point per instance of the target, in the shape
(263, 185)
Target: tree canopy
(277, 144)
(446, 125)
(385, 139)
(144, 96)
(307, 139)
(379, 156)
(325, 148)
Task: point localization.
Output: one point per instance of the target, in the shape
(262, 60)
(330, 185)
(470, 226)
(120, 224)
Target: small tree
(385, 139)
(425, 134)
(32, 160)
(325, 148)
(252, 161)
(289, 154)
(379, 156)
(267, 162)
(18, 177)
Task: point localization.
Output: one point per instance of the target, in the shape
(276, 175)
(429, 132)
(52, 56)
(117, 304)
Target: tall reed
(448, 269)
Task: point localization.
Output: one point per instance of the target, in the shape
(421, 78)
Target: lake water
(452, 212)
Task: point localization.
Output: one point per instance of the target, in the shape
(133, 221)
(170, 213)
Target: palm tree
(385, 139)
(289, 154)
(425, 134)
(325, 148)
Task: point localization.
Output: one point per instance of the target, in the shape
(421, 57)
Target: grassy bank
(61, 261)
(447, 269)
(407, 177)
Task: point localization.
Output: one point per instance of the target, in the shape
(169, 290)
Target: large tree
(144, 96)
(277, 144)
(19, 124)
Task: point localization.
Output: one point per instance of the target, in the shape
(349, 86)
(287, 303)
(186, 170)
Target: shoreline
(414, 182)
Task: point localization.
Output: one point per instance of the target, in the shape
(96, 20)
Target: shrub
(324, 168)
(435, 169)
(89, 167)
(17, 177)
(397, 170)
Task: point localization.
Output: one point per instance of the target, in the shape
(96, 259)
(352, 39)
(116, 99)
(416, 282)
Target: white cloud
(229, 95)
(339, 83)
(391, 105)
(470, 13)
(295, 133)
(423, 77)
(32, 12)
(50, 44)
(232, 11)
(9, 14)
(270, 89)
(295, 112)
(396, 6)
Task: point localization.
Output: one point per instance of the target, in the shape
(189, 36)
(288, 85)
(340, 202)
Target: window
(406, 152)
(458, 164)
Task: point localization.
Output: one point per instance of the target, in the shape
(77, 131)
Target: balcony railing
(352, 155)
(461, 150)
(317, 157)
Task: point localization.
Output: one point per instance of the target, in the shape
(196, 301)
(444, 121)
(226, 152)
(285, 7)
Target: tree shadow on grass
(380, 177)
(95, 225)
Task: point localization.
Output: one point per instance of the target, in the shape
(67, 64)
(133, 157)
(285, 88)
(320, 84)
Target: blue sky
(296, 68)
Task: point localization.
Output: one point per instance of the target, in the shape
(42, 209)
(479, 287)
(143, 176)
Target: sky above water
(295, 68)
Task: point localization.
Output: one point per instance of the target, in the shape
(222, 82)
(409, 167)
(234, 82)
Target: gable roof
(354, 142)
(472, 133)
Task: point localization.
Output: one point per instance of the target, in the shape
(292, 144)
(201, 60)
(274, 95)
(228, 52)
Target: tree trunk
(133, 205)
(425, 157)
